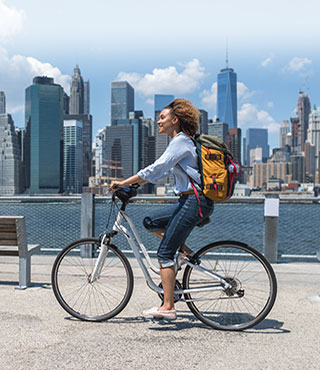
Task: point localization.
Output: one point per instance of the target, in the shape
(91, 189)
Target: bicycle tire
(97, 301)
(253, 292)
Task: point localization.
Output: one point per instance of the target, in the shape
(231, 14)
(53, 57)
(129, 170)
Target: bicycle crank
(177, 297)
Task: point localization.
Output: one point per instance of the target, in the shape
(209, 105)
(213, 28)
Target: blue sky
(175, 47)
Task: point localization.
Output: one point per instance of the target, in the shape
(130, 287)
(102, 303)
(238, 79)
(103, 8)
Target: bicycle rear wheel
(251, 295)
(91, 301)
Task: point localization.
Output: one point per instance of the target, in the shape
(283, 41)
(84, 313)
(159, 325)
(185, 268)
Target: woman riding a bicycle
(174, 223)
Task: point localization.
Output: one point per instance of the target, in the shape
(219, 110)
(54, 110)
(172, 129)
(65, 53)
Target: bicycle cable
(112, 210)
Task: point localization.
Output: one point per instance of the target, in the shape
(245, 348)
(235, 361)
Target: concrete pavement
(35, 332)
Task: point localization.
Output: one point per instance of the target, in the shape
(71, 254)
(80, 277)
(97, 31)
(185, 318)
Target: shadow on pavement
(267, 324)
(186, 321)
(15, 284)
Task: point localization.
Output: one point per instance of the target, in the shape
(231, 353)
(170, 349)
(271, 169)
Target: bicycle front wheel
(91, 301)
(248, 299)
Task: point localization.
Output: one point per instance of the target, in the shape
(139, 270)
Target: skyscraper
(284, 130)
(100, 153)
(10, 157)
(303, 111)
(314, 135)
(122, 102)
(66, 103)
(203, 122)
(309, 152)
(86, 103)
(120, 147)
(233, 140)
(162, 141)
(162, 100)
(256, 137)
(44, 128)
(298, 162)
(2, 102)
(294, 133)
(80, 111)
(76, 93)
(86, 120)
(227, 97)
(72, 156)
(262, 172)
(219, 129)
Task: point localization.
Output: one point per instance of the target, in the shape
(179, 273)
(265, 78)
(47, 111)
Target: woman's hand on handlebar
(114, 185)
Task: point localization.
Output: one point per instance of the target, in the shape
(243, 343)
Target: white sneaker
(164, 314)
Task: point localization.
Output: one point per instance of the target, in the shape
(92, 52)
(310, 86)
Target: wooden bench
(13, 242)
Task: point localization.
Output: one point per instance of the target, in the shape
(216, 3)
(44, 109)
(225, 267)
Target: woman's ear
(175, 120)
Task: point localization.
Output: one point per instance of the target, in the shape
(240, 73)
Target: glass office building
(219, 129)
(227, 97)
(10, 157)
(122, 102)
(86, 100)
(256, 137)
(162, 141)
(233, 141)
(76, 93)
(203, 122)
(126, 148)
(2, 102)
(44, 127)
(120, 148)
(72, 156)
(162, 100)
(86, 120)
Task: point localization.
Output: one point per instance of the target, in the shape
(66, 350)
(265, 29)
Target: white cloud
(167, 80)
(270, 104)
(209, 97)
(11, 20)
(150, 101)
(17, 73)
(297, 64)
(250, 116)
(266, 62)
(243, 93)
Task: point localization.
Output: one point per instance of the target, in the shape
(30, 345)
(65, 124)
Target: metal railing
(56, 221)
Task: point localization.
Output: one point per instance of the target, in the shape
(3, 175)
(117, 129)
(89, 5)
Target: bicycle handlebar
(124, 193)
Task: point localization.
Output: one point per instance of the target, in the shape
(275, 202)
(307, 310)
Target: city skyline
(271, 70)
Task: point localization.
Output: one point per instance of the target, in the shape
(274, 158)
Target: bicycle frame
(135, 242)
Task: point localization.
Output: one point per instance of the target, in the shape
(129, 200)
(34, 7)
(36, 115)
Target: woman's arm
(129, 181)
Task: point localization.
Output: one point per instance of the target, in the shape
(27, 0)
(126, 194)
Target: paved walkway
(37, 334)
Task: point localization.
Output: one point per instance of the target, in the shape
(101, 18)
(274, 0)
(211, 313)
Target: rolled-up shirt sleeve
(163, 166)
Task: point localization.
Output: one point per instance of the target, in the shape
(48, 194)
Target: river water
(55, 224)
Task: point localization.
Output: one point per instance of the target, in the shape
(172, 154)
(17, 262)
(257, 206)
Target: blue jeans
(179, 220)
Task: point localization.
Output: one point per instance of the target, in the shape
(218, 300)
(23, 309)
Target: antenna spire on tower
(227, 59)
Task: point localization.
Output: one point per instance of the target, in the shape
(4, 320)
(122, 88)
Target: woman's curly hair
(187, 114)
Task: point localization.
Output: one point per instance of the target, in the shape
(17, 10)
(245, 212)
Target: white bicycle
(227, 285)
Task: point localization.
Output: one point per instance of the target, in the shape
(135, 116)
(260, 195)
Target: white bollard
(271, 216)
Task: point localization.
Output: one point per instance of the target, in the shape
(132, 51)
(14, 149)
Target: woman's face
(167, 123)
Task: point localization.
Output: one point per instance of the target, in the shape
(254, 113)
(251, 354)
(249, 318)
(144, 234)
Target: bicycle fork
(100, 261)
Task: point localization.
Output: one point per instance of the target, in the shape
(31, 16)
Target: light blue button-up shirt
(180, 159)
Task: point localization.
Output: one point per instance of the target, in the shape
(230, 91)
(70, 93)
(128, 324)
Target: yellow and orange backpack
(217, 168)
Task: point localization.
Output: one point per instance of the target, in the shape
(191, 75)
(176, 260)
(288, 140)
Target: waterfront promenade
(37, 334)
